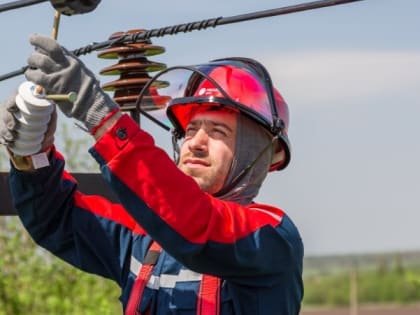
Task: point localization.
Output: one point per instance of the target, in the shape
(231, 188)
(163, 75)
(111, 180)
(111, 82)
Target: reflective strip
(135, 265)
(185, 275)
(165, 280)
(275, 216)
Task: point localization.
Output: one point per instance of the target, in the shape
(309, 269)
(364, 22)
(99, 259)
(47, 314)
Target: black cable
(19, 4)
(199, 25)
(285, 10)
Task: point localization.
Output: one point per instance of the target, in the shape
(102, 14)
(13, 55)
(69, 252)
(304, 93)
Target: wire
(198, 25)
(19, 4)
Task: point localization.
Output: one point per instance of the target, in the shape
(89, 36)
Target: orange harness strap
(208, 302)
(209, 296)
(142, 279)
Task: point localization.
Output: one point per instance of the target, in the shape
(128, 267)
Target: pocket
(184, 298)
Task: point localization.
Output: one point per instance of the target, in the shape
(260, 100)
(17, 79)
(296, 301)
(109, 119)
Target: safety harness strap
(142, 278)
(208, 302)
(209, 296)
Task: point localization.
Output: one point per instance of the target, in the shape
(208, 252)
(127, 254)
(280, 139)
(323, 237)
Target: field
(366, 310)
(377, 284)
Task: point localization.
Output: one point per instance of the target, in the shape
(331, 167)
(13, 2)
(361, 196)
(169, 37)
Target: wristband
(30, 162)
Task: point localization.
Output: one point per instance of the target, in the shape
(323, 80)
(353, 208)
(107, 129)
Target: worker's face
(208, 148)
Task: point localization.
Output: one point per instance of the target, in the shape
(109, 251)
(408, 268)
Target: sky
(349, 73)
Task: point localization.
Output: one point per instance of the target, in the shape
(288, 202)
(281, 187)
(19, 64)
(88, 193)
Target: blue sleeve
(61, 219)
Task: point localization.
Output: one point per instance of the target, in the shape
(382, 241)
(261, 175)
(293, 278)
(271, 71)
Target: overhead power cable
(198, 25)
(18, 4)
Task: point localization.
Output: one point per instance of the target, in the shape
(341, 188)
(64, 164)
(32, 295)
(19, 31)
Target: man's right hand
(59, 71)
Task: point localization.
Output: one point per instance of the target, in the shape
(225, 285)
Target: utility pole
(354, 307)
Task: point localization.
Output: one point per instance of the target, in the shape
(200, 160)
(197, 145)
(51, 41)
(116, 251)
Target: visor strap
(175, 146)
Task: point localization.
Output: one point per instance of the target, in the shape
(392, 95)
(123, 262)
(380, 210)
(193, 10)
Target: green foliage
(331, 290)
(384, 284)
(75, 150)
(34, 282)
(393, 285)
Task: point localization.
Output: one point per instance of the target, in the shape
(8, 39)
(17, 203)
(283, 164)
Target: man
(187, 238)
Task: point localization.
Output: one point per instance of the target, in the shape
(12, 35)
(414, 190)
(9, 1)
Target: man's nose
(199, 141)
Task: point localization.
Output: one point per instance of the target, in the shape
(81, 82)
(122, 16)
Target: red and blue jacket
(255, 250)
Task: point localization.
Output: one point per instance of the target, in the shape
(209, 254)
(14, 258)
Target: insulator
(33, 117)
(133, 69)
(71, 7)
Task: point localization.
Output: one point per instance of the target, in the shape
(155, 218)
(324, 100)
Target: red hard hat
(240, 84)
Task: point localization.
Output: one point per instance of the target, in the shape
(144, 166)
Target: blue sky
(350, 74)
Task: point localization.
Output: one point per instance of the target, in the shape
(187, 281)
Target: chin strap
(175, 146)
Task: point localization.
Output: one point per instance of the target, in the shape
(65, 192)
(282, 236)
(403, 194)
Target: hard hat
(241, 84)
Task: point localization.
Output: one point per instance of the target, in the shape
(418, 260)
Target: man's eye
(219, 131)
(190, 131)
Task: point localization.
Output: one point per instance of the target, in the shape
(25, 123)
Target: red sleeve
(173, 196)
(206, 234)
(100, 205)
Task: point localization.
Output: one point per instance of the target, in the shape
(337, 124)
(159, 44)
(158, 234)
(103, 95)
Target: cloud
(328, 77)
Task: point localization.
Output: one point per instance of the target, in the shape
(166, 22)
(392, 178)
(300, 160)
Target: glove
(58, 71)
(8, 122)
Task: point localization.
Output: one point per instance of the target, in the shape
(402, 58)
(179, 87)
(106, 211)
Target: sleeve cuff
(115, 139)
(30, 163)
